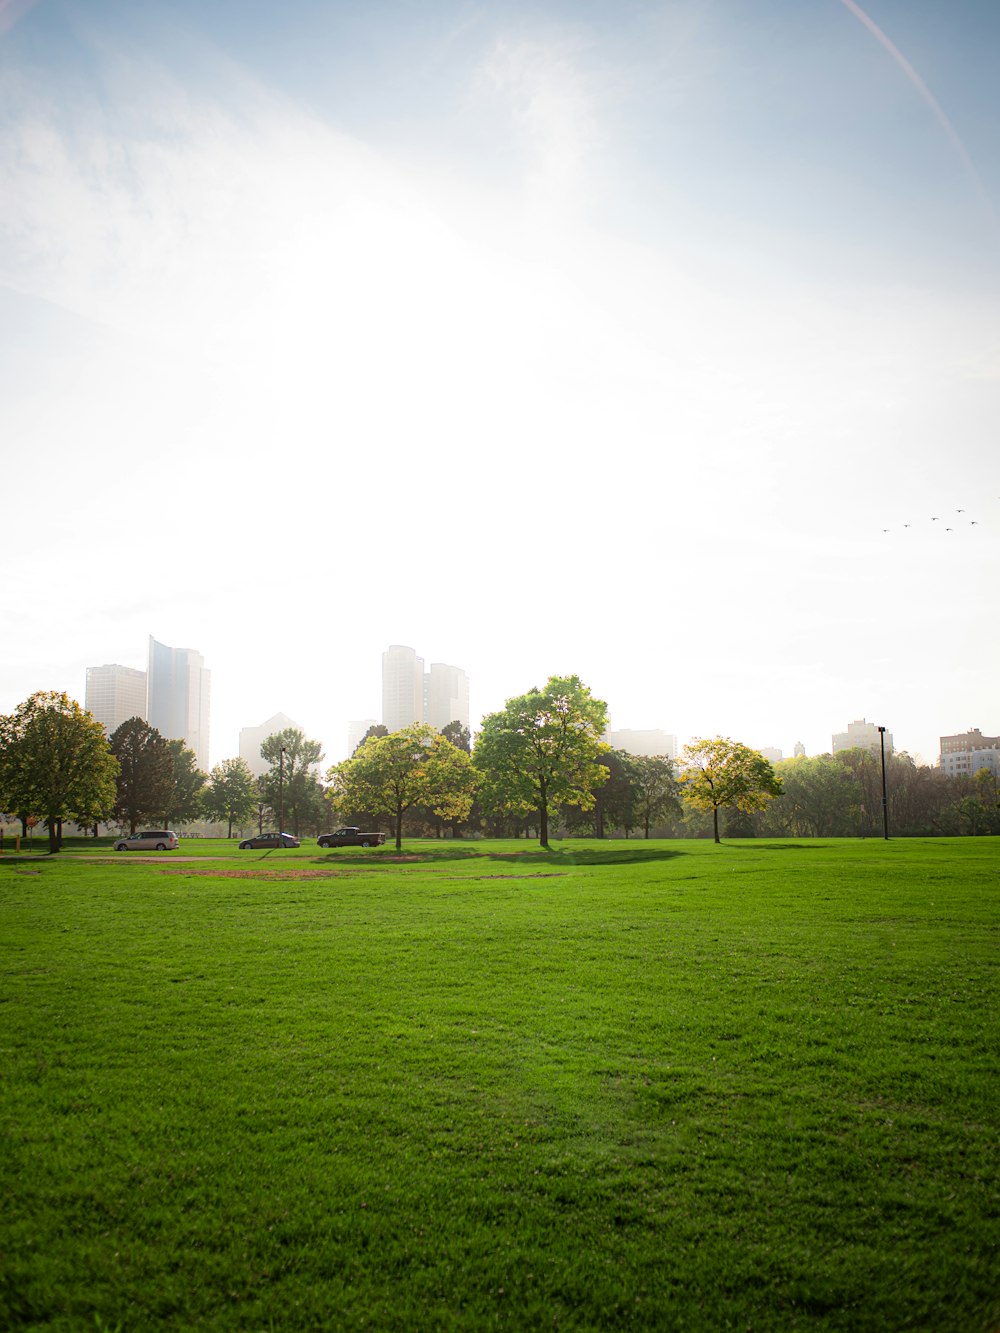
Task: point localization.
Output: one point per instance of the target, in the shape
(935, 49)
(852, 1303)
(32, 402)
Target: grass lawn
(622, 1085)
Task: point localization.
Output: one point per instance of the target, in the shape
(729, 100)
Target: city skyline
(116, 683)
(657, 345)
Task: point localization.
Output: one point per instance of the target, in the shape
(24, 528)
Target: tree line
(56, 764)
(537, 766)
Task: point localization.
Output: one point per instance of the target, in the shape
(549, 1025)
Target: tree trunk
(715, 817)
(55, 832)
(543, 825)
(399, 828)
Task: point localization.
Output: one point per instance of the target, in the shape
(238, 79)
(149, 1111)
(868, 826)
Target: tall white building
(179, 697)
(402, 687)
(252, 738)
(644, 742)
(447, 696)
(114, 694)
(410, 695)
(861, 735)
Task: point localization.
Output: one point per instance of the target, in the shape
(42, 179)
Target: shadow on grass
(527, 854)
(749, 845)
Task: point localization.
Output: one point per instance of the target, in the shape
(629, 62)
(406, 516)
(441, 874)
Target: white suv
(160, 840)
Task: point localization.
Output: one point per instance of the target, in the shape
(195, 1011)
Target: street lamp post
(885, 803)
(281, 791)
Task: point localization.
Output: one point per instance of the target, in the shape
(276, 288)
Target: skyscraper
(447, 696)
(179, 697)
(402, 687)
(114, 694)
(409, 695)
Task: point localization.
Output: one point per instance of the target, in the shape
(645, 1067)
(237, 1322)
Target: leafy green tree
(656, 789)
(458, 735)
(819, 798)
(231, 793)
(376, 729)
(450, 779)
(146, 777)
(55, 762)
(188, 782)
(291, 786)
(723, 774)
(543, 749)
(386, 776)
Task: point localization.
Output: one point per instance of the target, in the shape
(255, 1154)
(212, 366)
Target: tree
(291, 786)
(458, 735)
(450, 780)
(188, 782)
(231, 793)
(146, 777)
(544, 749)
(656, 787)
(55, 762)
(386, 776)
(376, 729)
(723, 774)
(819, 798)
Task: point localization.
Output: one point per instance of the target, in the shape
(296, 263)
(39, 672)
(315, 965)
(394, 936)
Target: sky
(611, 337)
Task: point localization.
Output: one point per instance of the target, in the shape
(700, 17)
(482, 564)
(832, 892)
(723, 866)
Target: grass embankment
(630, 1085)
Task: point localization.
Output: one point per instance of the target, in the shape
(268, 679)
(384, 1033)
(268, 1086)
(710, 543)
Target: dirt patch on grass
(258, 872)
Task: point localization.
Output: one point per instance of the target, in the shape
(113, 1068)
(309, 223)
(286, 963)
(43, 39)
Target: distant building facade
(439, 696)
(800, 750)
(252, 738)
(114, 694)
(965, 754)
(861, 735)
(446, 696)
(644, 742)
(179, 697)
(771, 754)
(402, 687)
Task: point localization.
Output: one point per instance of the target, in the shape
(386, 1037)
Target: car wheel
(120, 847)
(161, 846)
(366, 844)
(244, 846)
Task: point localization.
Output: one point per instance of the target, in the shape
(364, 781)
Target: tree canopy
(187, 784)
(386, 776)
(291, 787)
(724, 774)
(543, 749)
(146, 776)
(231, 793)
(55, 762)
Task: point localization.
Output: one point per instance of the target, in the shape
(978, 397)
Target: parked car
(350, 837)
(159, 840)
(268, 840)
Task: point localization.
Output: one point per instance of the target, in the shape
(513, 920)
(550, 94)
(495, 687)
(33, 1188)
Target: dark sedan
(268, 840)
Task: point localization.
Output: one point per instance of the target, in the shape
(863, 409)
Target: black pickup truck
(351, 837)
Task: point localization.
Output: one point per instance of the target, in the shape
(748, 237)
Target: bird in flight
(934, 519)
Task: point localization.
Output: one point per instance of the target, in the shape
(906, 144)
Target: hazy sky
(600, 337)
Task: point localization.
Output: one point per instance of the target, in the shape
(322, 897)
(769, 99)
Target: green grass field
(620, 1085)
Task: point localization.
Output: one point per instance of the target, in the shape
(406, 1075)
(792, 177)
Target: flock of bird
(936, 518)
